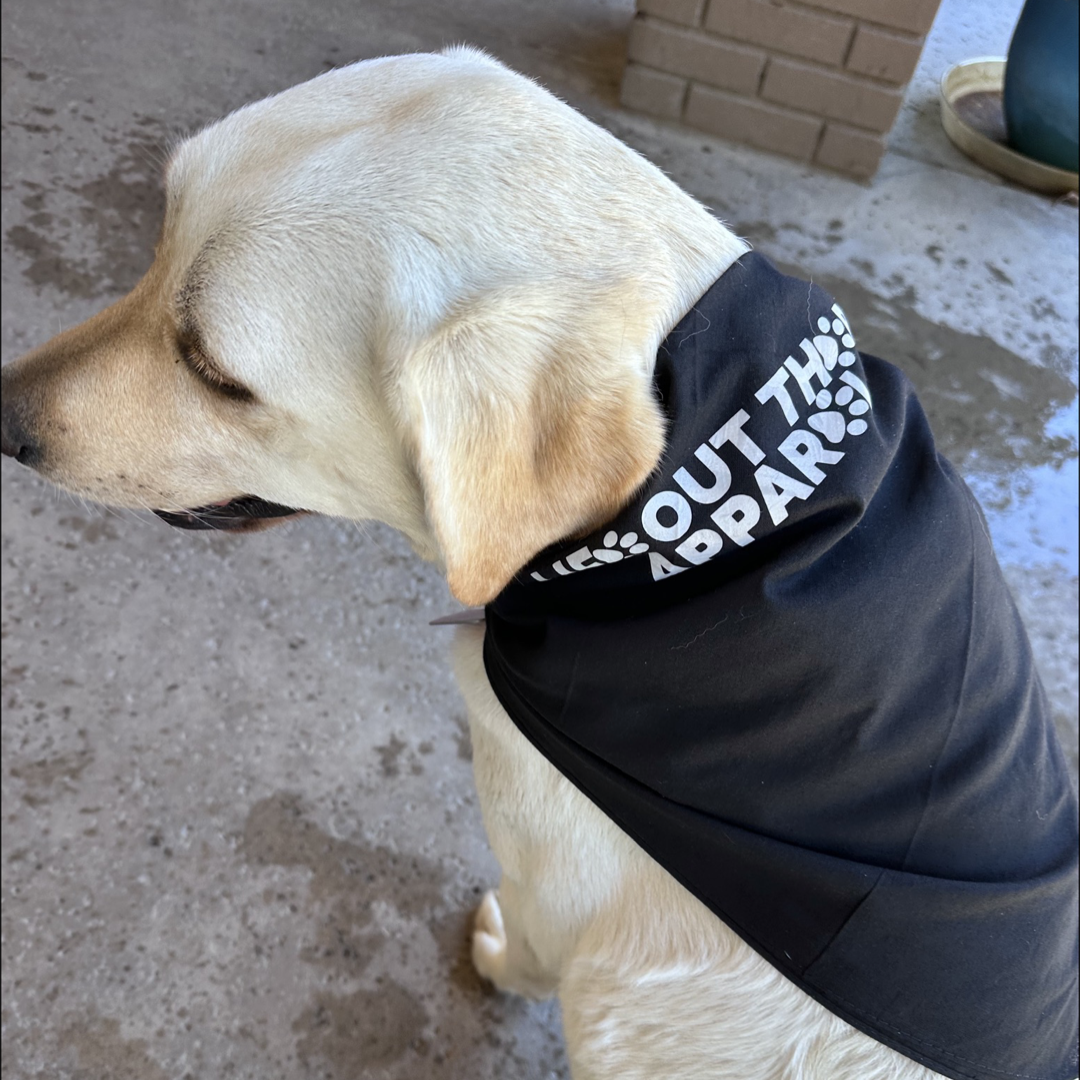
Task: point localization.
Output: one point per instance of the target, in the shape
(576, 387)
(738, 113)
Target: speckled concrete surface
(239, 833)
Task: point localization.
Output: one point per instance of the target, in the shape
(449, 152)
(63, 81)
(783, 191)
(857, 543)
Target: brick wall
(819, 81)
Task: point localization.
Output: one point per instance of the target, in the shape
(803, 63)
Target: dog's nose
(11, 442)
(14, 441)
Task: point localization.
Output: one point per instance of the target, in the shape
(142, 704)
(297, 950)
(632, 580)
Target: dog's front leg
(500, 947)
(561, 858)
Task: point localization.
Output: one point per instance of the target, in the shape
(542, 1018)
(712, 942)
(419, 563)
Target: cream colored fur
(444, 290)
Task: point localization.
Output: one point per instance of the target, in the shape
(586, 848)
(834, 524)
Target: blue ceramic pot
(1041, 83)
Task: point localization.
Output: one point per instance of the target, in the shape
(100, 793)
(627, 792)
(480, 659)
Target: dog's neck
(698, 259)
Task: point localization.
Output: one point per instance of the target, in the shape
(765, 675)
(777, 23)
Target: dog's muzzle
(246, 513)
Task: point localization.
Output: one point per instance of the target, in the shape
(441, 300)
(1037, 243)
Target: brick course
(831, 93)
(783, 27)
(653, 92)
(752, 121)
(850, 150)
(699, 56)
(686, 12)
(883, 55)
(817, 80)
(915, 16)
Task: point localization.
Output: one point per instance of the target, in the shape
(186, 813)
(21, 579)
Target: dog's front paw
(489, 939)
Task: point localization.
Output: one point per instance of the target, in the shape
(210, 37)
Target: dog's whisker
(368, 533)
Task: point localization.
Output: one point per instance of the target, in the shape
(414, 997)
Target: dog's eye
(190, 346)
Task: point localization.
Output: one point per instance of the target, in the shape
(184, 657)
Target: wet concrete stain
(42, 777)
(995, 414)
(998, 274)
(44, 772)
(103, 1052)
(368, 1029)
(13, 674)
(1042, 309)
(348, 877)
(36, 129)
(372, 1027)
(121, 210)
(760, 232)
(453, 935)
(389, 755)
(91, 531)
(278, 832)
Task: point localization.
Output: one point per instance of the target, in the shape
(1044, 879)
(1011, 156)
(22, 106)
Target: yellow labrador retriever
(422, 290)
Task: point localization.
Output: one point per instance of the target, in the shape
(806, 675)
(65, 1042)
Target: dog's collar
(473, 615)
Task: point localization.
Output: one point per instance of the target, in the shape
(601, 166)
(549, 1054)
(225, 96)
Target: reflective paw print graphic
(836, 345)
(609, 553)
(835, 342)
(615, 549)
(854, 396)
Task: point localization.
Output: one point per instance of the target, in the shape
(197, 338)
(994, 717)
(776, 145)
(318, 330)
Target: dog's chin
(247, 513)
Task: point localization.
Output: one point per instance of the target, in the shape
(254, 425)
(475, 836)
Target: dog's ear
(529, 426)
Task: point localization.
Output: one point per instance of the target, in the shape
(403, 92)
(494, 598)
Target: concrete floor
(240, 838)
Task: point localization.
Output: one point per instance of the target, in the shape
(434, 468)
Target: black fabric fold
(825, 722)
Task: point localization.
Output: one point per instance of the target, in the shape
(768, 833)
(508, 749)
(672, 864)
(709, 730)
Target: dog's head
(417, 289)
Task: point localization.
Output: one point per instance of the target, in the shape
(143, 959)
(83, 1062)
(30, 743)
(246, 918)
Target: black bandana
(792, 672)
